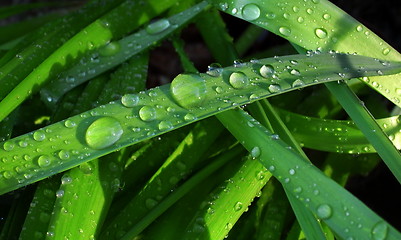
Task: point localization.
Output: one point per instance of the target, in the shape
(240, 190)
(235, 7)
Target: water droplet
(39, 135)
(271, 15)
(64, 154)
(250, 12)
(291, 171)
(214, 70)
(87, 167)
(110, 49)
(359, 28)
(255, 152)
(150, 203)
(266, 71)
(130, 100)
(379, 231)
(69, 123)
(60, 193)
(298, 83)
(324, 211)
(103, 133)
(326, 16)
(8, 146)
(298, 190)
(147, 113)
(309, 11)
(165, 125)
(321, 33)
(295, 72)
(22, 143)
(272, 168)
(300, 19)
(285, 31)
(44, 161)
(66, 179)
(238, 80)
(7, 174)
(386, 51)
(228, 226)
(158, 26)
(189, 117)
(274, 88)
(188, 90)
(238, 206)
(260, 175)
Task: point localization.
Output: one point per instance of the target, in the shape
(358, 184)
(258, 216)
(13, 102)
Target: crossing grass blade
(342, 212)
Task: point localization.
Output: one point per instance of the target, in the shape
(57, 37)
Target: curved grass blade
(337, 135)
(111, 26)
(319, 25)
(97, 62)
(189, 98)
(342, 212)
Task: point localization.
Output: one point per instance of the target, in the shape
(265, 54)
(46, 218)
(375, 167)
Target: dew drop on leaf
(63, 154)
(321, 33)
(386, 51)
(238, 80)
(255, 152)
(110, 49)
(214, 70)
(147, 113)
(188, 90)
(165, 125)
(326, 16)
(158, 26)
(7, 174)
(66, 180)
(266, 71)
(274, 88)
(87, 168)
(39, 135)
(379, 231)
(298, 83)
(44, 161)
(103, 132)
(250, 12)
(60, 193)
(238, 206)
(130, 100)
(69, 123)
(8, 146)
(285, 31)
(189, 117)
(324, 211)
(295, 72)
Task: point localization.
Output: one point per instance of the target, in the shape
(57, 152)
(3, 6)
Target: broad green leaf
(337, 135)
(342, 212)
(189, 98)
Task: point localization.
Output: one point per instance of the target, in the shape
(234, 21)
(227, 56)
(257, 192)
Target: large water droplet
(188, 90)
(103, 133)
(165, 125)
(39, 135)
(255, 152)
(147, 113)
(238, 80)
(250, 12)
(321, 33)
(158, 26)
(379, 231)
(130, 100)
(64, 154)
(69, 123)
(44, 161)
(8, 146)
(298, 83)
(266, 71)
(324, 211)
(110, 49)
(285, 31)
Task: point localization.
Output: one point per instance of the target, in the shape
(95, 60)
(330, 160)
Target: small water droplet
(324, 211)
(66, 179)
(22, 143)
(189, 90)
(238, 206)
(271, 15)
(7, 174)
(309, 11)
(64, 154)
(87, 168)
(60, 193)
(300, 19)
(326, 16)
(386, 51)
(379, 231)
(285, 31)
(359, 28)
(321, 33)
(238, 80)
(158, 26)
(274, 88)
(189, 117)
(291, 171)
(69, 123)
(272, 168)
(8, 146)
(250, 12)
(39, 135)
(130, 100)
(260, 175)
(298, 83)
(150, 203)
(255, 152)
(214, 70)
(44, 161)
(165, 125)
(267, 71)
(295, 72)
(103, 133)
(110, 49)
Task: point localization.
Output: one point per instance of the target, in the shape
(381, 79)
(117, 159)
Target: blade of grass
(345, 214)
(140, 118)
